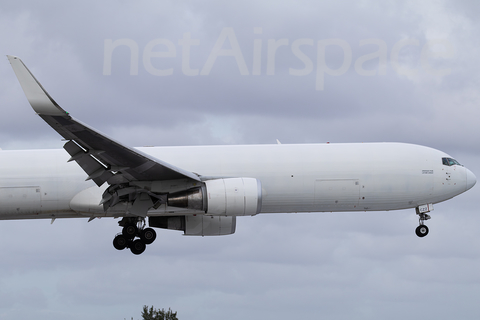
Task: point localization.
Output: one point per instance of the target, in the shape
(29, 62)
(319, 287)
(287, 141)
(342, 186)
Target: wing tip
(38, 97)
(10, 58)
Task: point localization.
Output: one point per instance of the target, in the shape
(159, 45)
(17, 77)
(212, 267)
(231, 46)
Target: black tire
(137, 247)
(421, 231)
(130, 231)
(148, 235)
(120, 242)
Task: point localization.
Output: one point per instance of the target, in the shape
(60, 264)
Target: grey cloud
(336, 266)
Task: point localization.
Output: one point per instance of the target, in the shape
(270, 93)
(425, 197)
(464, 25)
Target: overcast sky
(216, 72)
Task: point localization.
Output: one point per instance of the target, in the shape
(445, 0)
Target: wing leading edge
(102, 158)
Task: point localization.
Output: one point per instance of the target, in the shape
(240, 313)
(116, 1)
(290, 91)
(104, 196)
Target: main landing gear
(422, 229)
(133, 228)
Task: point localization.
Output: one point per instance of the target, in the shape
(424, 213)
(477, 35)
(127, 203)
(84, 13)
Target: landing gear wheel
(421, 231)
(120, 242)
(130, 231)
(148, 235)
(137, 247)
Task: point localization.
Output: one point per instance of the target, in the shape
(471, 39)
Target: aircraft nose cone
(471, 179)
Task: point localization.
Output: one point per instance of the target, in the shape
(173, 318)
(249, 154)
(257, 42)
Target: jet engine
(226, 197)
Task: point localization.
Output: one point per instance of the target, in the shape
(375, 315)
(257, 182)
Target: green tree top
(157, 314)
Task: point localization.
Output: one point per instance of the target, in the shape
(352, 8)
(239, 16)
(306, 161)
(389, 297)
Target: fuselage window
(450, 162)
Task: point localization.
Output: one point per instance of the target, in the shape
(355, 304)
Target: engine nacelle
(225, 197)
(234, 196)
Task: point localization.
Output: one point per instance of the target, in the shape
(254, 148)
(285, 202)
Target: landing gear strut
(133, 228)
(422, 229)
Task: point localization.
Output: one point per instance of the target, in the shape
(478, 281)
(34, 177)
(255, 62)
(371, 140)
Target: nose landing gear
(422, 230)
(133, 228)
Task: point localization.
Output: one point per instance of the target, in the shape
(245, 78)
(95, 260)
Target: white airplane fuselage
(294, 178)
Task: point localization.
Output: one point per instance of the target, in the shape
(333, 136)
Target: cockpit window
(450, 162)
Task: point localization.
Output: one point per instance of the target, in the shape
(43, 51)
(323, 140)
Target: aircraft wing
(102, 158)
